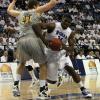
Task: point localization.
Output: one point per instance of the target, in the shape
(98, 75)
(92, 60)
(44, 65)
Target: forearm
(38, 31)
(11, 10)
(50, 5)
(47, 6)
(11, 6)
(72, 42)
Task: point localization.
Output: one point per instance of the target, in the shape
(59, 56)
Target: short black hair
(67, 18)
(32, 3)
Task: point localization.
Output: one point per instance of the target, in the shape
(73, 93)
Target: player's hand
(48, 44)
(55, 1)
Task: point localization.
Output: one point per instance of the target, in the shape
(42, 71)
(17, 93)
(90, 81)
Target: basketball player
(65, 34)
(29, 46)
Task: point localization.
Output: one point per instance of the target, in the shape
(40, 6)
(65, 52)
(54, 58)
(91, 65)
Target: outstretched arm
(71, 39)
(47, 6)
(11, 10)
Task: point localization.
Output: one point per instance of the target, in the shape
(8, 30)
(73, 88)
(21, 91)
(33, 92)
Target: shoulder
(69, 30)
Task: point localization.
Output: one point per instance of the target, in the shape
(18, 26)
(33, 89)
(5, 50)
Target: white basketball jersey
(59, 32)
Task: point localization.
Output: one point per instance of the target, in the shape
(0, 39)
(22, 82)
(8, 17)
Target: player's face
(65, 24)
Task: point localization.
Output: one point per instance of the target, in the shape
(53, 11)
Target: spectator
(92, 42)
(2, 21)
(90, 55)
(97, 55)
(81, 55)
(4, 56)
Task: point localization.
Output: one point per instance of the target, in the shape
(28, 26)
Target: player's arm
(38, 31)
(11, 10)
(71, 41)
(47, 6)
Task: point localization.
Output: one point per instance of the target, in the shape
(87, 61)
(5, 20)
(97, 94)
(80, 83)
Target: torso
(60, 33)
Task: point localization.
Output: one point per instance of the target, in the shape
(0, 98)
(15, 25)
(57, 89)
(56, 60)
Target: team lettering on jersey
(61, 35)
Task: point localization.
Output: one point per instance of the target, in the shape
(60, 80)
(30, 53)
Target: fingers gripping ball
(55, 44)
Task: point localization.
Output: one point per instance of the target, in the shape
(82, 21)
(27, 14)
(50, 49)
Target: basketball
(55, 44)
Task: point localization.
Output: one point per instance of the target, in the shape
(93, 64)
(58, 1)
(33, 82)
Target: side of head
(90, 52)
(32, 4)
(66, 21)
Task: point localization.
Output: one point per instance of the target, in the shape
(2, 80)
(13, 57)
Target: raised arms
(47, 6)
(39, 9)
(11, 10)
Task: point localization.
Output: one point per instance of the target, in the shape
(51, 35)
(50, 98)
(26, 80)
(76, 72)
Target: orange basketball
(55, 44)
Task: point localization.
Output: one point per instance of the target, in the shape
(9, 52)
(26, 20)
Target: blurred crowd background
(85, 16)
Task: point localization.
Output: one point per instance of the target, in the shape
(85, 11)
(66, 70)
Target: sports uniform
(29, 46)
(57, 58)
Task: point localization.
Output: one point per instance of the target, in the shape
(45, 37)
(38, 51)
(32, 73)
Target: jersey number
(26, 19)
(60, 38)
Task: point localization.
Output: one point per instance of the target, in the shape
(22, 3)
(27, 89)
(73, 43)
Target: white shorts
(55, 60)
(52, 56)
(52, 71)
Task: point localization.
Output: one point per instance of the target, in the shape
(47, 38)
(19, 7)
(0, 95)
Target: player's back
(26, 20)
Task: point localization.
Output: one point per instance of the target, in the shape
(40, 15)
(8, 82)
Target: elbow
(8, 11)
